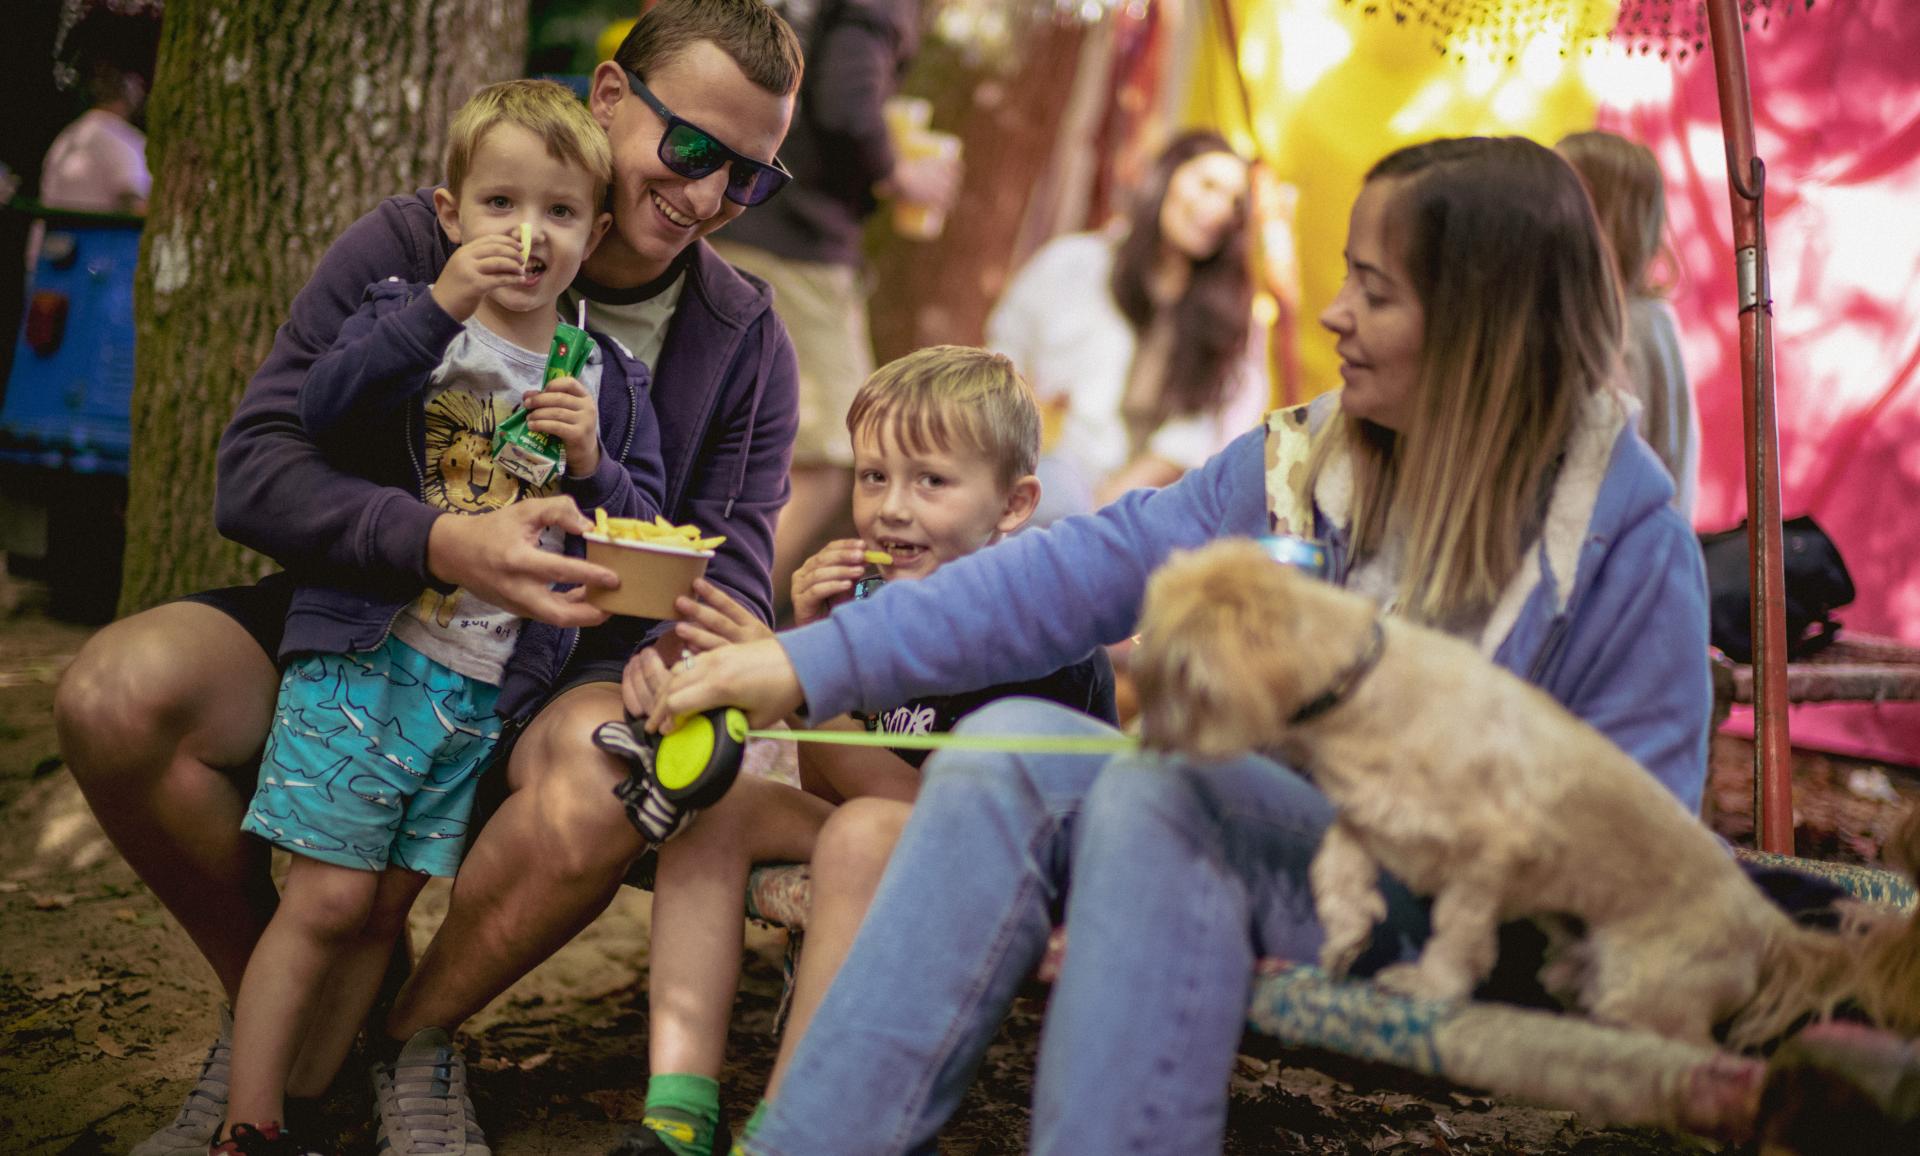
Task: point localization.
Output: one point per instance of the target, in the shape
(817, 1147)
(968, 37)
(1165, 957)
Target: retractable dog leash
(695, 763)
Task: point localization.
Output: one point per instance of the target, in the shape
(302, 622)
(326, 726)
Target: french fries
(658, 532)
(877, 557)
(526, 242)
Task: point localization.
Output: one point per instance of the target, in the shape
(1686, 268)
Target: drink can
(1302, 553)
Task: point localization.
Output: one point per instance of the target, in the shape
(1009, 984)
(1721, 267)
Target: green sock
(683, 1110)
(753, 1122)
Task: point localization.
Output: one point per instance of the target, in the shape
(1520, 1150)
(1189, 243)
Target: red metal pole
(1746, 180)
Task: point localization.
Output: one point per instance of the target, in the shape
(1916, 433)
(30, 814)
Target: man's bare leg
(544, 865)
(820, 495)
(154, 715)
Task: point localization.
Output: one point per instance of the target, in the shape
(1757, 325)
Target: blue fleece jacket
(724, 393)
(1619, 638)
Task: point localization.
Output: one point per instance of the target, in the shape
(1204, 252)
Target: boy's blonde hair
(545, 109)
(948, 395)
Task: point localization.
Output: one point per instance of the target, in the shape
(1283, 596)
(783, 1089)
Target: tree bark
(273, 125)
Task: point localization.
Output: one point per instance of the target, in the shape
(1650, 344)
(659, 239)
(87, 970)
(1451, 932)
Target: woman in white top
(1139, 340)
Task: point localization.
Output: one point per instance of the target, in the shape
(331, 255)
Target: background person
(1630, 198)
(1475, 474)
(1139, 341)
(98, 163)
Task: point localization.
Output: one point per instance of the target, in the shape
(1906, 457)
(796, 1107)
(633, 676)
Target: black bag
(1817, 583)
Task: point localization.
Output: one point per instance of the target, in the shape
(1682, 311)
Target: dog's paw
(1418, 981)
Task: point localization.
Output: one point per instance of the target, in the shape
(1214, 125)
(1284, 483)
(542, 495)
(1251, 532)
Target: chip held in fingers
(656, 560)
(526, 242)
(877, 557)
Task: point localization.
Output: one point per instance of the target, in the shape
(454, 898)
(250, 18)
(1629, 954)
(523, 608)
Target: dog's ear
(1215, 665)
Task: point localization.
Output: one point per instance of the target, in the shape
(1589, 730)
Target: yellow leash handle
(696, 762)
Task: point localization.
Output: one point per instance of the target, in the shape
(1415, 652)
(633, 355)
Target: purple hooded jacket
(724, 395)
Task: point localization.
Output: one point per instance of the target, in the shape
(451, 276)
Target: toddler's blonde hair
(547, 110)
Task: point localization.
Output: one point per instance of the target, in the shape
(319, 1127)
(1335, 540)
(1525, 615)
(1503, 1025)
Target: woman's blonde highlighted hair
(1523, 322)
(547, 110)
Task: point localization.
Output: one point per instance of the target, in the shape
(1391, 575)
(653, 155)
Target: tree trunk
(274, 124)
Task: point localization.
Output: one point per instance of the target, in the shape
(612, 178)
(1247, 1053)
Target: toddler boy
(386, 715)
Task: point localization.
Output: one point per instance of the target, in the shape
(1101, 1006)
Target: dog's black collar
(1346, 680)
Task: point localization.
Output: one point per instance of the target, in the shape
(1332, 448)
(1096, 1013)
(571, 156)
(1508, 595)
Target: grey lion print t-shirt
(478, 385)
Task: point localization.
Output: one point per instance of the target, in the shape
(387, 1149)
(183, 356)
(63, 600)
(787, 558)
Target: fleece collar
(1570, 510)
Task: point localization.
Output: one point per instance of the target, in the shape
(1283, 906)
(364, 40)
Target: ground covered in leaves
(106, 1009)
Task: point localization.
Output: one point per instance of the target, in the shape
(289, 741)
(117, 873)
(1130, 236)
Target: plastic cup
(916, 221)
(652, 575)
(904, 114)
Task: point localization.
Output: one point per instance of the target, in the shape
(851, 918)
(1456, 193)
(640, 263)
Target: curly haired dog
(1470, 785)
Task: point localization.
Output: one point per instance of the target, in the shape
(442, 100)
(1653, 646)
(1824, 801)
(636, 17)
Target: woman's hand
(757, 677)
(826, 578)
(711, 619)
(567, 411)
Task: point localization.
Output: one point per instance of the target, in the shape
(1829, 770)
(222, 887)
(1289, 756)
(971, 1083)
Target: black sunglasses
(693, 152)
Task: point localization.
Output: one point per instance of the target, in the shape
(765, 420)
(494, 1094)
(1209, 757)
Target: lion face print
(460, 474)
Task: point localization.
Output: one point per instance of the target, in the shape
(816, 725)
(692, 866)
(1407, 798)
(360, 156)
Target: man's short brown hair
(948, 396)
(751, 34)
(545, 109)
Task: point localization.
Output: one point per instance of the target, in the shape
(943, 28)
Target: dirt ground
(107, 1010)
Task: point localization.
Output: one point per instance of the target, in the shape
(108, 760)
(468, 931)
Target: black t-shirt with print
(1085, 686)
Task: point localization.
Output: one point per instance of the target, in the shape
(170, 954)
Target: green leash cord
(700, 758)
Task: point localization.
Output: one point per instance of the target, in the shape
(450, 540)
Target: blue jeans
(1181, 876)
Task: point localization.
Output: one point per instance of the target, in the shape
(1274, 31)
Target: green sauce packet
(534, 457)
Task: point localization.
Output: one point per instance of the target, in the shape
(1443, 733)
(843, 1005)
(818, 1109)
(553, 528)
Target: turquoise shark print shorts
(373, 760)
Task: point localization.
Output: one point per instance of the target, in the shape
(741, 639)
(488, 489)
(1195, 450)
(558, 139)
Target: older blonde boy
(944, 446)
(369, 771)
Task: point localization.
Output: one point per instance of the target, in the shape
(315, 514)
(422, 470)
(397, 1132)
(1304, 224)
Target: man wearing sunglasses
(807, 243)
(163, 714)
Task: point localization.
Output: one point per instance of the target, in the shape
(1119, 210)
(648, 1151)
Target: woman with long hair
(1630, 198)
(1476, 474)
(1139, 340)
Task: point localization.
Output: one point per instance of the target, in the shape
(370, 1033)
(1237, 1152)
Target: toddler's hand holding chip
(477, 268)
